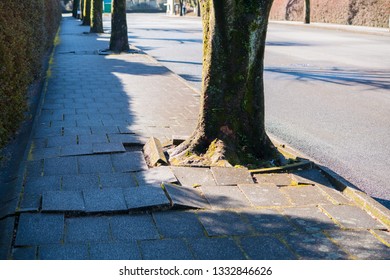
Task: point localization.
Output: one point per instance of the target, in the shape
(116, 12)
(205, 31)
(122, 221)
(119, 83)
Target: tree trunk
(87, 12)
(82, 9)
(198, 9)
(119, 41)
(96, 16)
(181, 7)
(76, 6)
(307, 11)
(231, 122)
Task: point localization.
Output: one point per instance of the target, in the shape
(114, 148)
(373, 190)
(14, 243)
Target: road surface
(327, 91)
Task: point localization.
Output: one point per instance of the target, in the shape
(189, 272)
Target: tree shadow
(371, 79)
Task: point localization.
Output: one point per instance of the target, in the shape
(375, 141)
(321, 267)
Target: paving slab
(105, 148)
(25, 253)
(220, 223)
(264, 195)
(310, 219)
(133, 227)
(360, 244)
(34, 168)
(39, 185)
(225, 197)
(156, 175)
(166, 249)
(115, 251)
(30, 203)
(314, 246)
(6, 231)
(185, 197)
(63, 201)
(104, 200)
(85, 229)
(352, 217)
(279, 179)
(95, 164)
(268, 221)
(80, 182)
(93, 139)
(42, 153)
(59, 141)
(191, 176)
(384, 236)
(64, 252)
(310, 176)
(117, 180)
(76, 150)
(175, 224)
(37, 229)
(265, 248)
(225, 176)
(60, 166)
(306, 195)
(215, 249)
(146, 197)
(129, 162)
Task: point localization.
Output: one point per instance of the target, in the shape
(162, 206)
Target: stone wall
(354, 12)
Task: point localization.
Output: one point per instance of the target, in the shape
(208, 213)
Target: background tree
(231, 122)
(87, 13)
(307, 11)
(119, 41)
(76, 6)
(96, 16)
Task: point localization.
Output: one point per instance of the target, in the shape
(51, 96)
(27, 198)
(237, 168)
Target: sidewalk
(87, 193)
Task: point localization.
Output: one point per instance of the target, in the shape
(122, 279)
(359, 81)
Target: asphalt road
(327, 91)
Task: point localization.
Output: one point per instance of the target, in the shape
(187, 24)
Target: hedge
(27, 31)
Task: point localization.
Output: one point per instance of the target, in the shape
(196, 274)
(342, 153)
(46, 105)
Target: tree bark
(119, 41)
(96, 16)
(76, 6)
(198, 9)
(87, 12)
(231, 122)
(307, 12)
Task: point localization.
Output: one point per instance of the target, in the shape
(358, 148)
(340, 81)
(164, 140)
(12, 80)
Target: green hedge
(27, 31)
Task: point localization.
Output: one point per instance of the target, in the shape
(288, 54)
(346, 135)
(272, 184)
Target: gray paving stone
(264, 195)
(63, 201)
(37, 229)
(126, 162)
(58, 141)
(34, 168)
(265, 248)
(361, 244)
(268, 221)
(80, 182)
(225, 176)
(133, 227)
(115, 251)
(117, 180)
(146, 197)
(93, 138)
(85, 229)
(104, 130)
(310, 176)
(103, 148)
(64, 252)
(4, 252)
(219, 223)
(335, 195)
(30, 203)
(279, 179)
(39, 185)
(225, 197)
(314, 247)
(126, 138)
(306, 196)
(25, 253)
(104, 200)
(43, 153)
(310, 219)
(155, 176)
(216, 249)
(60, 166)
(6, 231)
(79, 130)
(353, 217)
(95, 164)
(75, 150)
(175, 224)
(182, 197)
(384, 236)
(168, 249)
(8, 208)
(190, 176)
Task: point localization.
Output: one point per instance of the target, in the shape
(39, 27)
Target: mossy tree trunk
(97, 16)
(119, 41)
(231, 122)
(87, 12)
(307, 11)
(76, 6)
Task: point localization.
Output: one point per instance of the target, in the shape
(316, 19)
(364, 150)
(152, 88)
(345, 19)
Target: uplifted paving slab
(187, 197)
(146, 197)
(192, 176)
